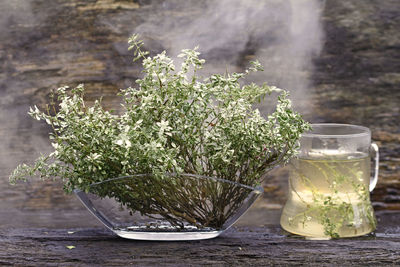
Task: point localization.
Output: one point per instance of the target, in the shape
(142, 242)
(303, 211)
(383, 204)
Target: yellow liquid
(329, 197)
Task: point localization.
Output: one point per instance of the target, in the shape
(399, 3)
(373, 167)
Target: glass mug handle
(374, 151)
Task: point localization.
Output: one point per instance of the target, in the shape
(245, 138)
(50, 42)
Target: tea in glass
(329, 192)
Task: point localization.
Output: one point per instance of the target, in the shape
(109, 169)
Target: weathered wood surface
(261, 246)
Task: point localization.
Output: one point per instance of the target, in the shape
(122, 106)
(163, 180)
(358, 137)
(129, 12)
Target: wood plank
(238, 246)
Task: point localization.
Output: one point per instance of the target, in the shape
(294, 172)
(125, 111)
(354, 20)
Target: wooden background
(66, 42)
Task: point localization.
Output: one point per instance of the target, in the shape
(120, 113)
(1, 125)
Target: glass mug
(329, 183)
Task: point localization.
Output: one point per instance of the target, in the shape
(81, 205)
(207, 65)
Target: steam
(283, 35)
(15, 12)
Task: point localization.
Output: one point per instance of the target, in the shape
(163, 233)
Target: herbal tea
(329, 196)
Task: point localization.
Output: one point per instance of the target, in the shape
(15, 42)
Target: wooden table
(241, 245)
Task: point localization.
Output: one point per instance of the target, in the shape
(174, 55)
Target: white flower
(63, 105)
(128, 143)
(55, 145)
(35, 113)
(124, 141)
(163, 127)
(93, 156)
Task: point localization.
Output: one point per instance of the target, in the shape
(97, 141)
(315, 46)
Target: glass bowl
(168, 207)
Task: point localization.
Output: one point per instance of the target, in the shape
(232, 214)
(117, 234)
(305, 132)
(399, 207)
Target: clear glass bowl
(171, 207)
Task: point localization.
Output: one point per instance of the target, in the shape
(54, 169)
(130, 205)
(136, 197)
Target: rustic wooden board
(238, 246)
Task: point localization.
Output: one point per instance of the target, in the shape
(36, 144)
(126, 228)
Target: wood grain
(263, 246)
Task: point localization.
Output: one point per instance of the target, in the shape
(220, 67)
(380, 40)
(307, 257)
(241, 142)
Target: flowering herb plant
(173, 122)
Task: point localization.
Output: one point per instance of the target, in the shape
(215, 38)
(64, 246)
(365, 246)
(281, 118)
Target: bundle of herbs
(173, 124)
